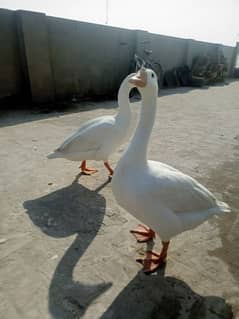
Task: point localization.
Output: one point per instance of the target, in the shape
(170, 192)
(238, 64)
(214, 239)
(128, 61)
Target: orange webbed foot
(89, 171)
(143, 233)
(152, 261)
(86, 170)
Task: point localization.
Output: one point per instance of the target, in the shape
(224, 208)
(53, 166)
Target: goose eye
(152, 75)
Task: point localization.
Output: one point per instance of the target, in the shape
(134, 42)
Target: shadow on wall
(159, 297)
(11, 117)
(21, 115)
(71, 210)
(186, 89)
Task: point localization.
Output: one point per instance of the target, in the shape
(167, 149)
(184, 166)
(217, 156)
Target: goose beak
(139, 79)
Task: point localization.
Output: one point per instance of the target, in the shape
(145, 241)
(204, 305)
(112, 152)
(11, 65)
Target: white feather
(97, 139)
(159, 195)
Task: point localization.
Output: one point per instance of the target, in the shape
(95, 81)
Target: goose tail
(55, 154)
(223, 207)
(190, 221)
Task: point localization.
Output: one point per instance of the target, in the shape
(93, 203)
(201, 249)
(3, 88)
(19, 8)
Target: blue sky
(207, 20)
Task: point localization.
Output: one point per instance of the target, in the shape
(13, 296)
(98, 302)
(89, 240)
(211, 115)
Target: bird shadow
(65, 212)
(159, 297)
(78, 210)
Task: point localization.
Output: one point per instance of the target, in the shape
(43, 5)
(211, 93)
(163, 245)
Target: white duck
(97, 139)
(162, 197)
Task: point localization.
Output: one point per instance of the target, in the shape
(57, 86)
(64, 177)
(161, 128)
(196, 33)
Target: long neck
(123, 100)
(137, 150)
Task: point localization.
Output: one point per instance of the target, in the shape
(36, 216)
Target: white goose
(97, 139)
(162, 197)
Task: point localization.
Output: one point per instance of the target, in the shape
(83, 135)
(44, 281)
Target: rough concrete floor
(66, 251)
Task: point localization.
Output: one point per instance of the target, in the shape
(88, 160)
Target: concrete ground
(66, 251)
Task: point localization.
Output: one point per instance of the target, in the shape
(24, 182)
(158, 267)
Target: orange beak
(139, 79)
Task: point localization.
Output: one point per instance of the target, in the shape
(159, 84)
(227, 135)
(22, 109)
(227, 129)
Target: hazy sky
(206, 20)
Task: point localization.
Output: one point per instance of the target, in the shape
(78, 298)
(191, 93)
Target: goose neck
(137, 150)
(123, 100)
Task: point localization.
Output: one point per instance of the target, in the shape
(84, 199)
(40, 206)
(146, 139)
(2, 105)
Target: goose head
(145, 80)
(126, 86)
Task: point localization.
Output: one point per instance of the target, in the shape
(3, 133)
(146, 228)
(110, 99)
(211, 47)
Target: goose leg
(154, 260)
(143, 233)
(85, 170)
(107, 165)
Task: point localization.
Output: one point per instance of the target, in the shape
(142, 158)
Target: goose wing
(179, 192)
(90, 136)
